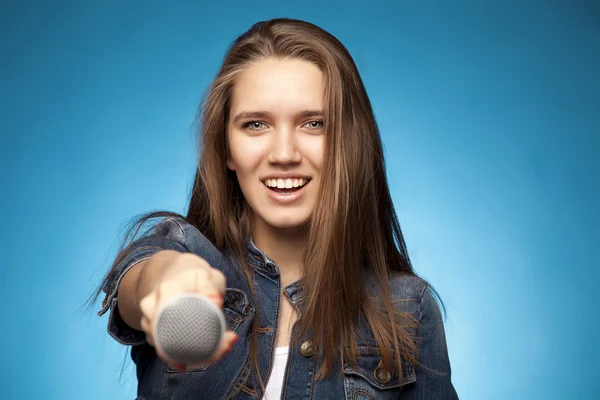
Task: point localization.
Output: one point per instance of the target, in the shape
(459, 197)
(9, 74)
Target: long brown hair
(354, 225)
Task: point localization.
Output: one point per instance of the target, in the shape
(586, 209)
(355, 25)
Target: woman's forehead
(278, 86)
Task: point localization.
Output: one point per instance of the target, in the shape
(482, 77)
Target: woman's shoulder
(414, 294)
(401, 285)
(409, 293)
(407, 286)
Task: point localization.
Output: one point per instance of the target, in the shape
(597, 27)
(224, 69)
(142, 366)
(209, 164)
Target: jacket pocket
(236, 309)
(367, 379)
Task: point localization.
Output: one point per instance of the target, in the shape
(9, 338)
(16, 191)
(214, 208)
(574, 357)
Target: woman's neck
(284, 246)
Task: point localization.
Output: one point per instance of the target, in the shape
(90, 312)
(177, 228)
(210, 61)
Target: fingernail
(180, 367)
(216, 297)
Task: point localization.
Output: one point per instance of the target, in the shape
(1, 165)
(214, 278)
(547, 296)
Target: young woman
(291, 230)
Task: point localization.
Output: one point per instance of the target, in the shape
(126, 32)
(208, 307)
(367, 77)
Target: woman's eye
(316, 124)
(254, 125)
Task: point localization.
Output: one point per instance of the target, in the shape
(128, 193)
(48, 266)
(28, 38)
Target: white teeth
(285, 183)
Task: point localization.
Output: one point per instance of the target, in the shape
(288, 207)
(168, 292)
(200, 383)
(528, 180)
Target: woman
(292, 231)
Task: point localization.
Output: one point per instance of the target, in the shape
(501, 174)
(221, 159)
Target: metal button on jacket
(307, 349)
(382, 375)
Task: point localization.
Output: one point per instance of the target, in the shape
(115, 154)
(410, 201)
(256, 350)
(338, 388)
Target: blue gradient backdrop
(490, 116)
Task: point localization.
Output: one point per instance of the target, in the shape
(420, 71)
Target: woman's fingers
(148, 304)
(146, 327)
(218, 279)
(189, 274)
(217, 298)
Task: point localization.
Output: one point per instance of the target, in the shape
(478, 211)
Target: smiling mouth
(289, 185)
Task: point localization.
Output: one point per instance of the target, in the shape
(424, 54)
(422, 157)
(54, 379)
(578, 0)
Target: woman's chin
(286, 222)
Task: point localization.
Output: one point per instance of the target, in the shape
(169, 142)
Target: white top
(275, 384)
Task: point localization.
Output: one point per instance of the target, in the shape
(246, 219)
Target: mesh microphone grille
(189, 330)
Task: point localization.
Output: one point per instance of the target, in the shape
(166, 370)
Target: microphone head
(188, 329)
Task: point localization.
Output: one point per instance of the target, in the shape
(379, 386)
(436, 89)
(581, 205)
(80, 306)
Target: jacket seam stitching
(114, 335)
(114, 287)
(181, 229)
(421, 302)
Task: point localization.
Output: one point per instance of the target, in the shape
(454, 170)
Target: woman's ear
(230, 164)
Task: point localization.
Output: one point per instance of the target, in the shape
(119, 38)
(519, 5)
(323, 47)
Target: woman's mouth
(286, 190)
(288, 185)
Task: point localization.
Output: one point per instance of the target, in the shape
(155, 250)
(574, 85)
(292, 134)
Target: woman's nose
(284, 149)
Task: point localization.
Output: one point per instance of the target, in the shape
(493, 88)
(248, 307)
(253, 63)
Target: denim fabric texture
(361, 380)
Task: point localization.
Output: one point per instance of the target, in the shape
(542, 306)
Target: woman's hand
(180, 274)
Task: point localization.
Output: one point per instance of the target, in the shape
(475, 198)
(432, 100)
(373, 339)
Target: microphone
(189, 328)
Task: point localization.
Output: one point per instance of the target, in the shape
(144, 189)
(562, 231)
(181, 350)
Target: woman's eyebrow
(310, 113)
(265, 114)
(251, 114)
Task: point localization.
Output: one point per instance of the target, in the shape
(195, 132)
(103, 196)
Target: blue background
(489, 113)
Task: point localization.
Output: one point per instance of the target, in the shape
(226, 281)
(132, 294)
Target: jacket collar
(258, 260)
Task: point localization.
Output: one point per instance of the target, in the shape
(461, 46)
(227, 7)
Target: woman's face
(276, 139)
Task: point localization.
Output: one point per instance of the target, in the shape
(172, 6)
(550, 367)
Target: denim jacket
(365, 379)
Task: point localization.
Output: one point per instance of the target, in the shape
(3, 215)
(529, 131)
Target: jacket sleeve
(433, 374)
(166, 235)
